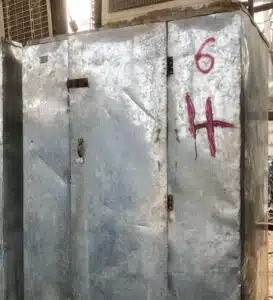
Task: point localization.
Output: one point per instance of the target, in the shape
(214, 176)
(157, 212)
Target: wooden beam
(263, 7)
(259, 8)
(265, 226)
(96, 13)
(59, 18)
(49, 15)
(251, 7)
(2, 25)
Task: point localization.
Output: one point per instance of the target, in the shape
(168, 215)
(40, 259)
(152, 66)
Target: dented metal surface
(98, 162)
(119, 248)
(204, 235)
(46, 172)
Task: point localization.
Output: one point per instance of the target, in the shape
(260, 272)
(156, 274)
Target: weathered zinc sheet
(109, 206)
(46, 171)
(254, 100)
(204, 147)
(119, 248)
(11, 172)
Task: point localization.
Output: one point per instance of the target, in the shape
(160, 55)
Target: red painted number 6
(199, 55)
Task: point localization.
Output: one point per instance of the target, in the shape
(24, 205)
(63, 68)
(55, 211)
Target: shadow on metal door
(118, 163)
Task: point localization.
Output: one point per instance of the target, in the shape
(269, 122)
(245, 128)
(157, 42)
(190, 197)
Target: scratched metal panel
(254, 99)
(204, 173)
(118, 195)
(46, 171)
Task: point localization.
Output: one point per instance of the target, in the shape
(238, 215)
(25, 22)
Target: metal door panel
(46, 171)
(204, 233)
(118, 193)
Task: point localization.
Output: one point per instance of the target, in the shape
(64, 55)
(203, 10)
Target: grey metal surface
(204, 233)
(118, 193)
(46, 172)
(11, 172)
(110, 207)
(254, 167)
(2, 256)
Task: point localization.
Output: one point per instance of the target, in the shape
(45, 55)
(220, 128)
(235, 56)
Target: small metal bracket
(77, 83)
(169, 65)
(170, 203)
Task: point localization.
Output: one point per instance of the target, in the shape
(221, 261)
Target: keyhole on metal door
(81, 150)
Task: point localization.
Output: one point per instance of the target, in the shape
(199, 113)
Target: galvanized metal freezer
(146, 182)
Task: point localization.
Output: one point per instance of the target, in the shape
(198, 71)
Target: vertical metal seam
(167, 159)
(3, 287)
(69, 176)
(242, 171)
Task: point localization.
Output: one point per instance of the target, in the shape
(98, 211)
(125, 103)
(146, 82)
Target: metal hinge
(169, 65)
(170, 203)
(77, 83)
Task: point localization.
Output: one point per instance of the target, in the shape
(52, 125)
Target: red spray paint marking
(210, 123)
(199, 55)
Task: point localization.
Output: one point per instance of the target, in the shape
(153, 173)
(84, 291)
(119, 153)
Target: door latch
(170, 203)
(77, 83)
(81, 150)
(169, 65)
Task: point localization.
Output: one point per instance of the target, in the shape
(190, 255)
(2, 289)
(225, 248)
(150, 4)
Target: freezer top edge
(241, 11)
(95, 31)
(10, 42)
